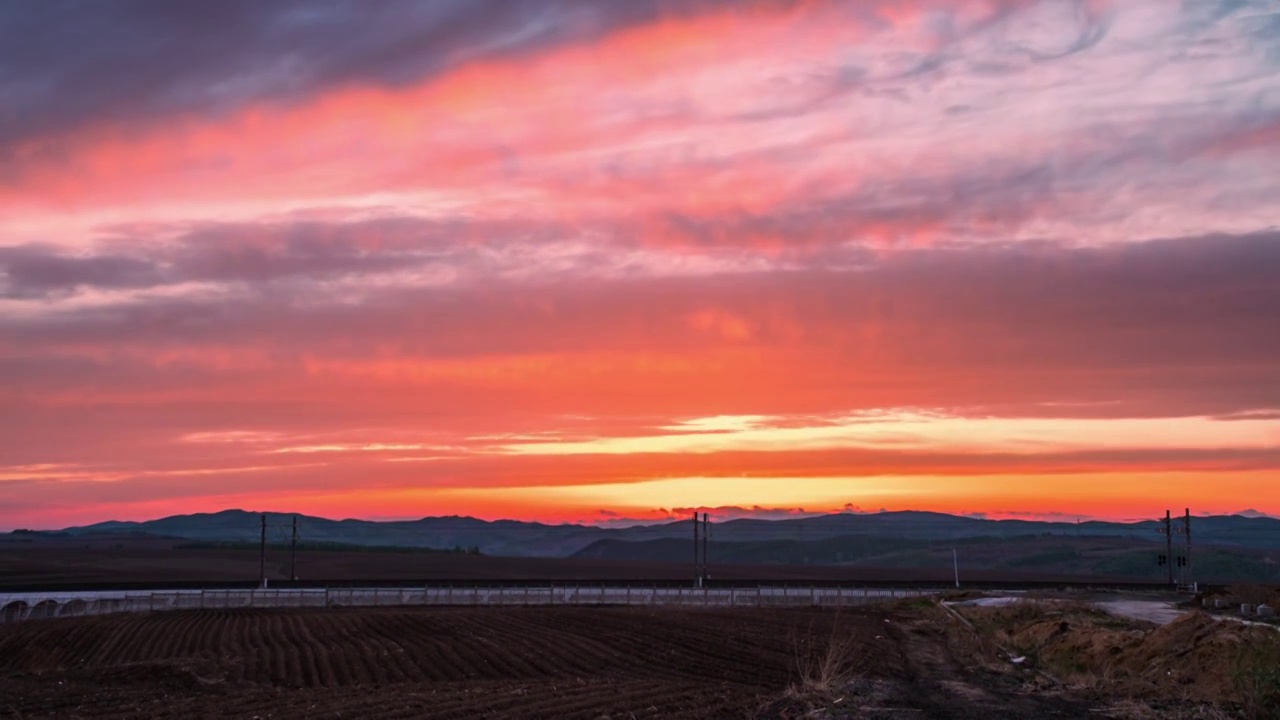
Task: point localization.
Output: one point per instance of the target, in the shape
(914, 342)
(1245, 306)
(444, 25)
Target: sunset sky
(564, 260)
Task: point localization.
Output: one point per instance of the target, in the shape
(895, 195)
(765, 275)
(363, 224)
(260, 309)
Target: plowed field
(410, 662)
(900, 661)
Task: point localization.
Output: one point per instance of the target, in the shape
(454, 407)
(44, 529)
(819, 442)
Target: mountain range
(532, 539)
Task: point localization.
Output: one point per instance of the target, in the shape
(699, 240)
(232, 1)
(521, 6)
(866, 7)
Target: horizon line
(607, 523)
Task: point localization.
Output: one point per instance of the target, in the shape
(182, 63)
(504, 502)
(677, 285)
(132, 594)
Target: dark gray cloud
(254, 254)
(1168, 326)
(39, 270)
(64, 62)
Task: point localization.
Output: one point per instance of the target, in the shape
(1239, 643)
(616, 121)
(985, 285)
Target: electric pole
(1168, 542)
(706, 535)
(293, 552)
(955, 562)
(697, 573)
(262, 554)
(1187, 531)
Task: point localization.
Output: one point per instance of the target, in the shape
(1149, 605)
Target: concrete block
(1219, 603)
(1266, 611)
(1246, 609)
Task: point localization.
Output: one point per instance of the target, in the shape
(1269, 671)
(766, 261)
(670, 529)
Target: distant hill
(504, 537)
(849, 549)
(1043, 555)
(848, 536)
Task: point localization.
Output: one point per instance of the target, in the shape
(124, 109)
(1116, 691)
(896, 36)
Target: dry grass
(1216, 666)
(825, 662)
(1255, 679)
(1004, 623)
(1138, 710)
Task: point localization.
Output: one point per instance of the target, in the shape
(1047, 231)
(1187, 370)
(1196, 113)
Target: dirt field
(501, 662)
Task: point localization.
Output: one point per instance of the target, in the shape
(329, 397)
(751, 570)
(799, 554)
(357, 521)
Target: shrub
(1256, 680)
(822, 664)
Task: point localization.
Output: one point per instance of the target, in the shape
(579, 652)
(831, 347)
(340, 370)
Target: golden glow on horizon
(1102, 495)
(901, 431)
(617, 478)
(1108, 496)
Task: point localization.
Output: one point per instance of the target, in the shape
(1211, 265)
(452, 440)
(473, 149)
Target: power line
(697, 569)
(700, 538)
(262, 555)
(706, 535)
(1183, 562)
(282, 531)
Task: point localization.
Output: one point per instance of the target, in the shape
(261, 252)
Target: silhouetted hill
(504, 537)
(516, 538)
(1044, 555)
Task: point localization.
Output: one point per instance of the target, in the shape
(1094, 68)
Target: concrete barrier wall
(16, 607)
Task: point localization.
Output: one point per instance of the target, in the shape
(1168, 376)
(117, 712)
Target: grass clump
(824, 662)
(1255, 678)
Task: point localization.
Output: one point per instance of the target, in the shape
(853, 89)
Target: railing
(16, 607)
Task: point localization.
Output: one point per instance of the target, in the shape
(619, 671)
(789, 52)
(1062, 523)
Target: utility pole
(1187, 532)
(955, 562)
(1168, 542)
(706, 535)
(697, 573)
(293, 552)
(262, 555)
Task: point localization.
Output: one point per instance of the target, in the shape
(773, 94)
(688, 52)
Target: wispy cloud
(232, 436)
(353, 447)
(53, 473)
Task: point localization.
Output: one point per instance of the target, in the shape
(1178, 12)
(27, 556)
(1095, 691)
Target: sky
(594, 262)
